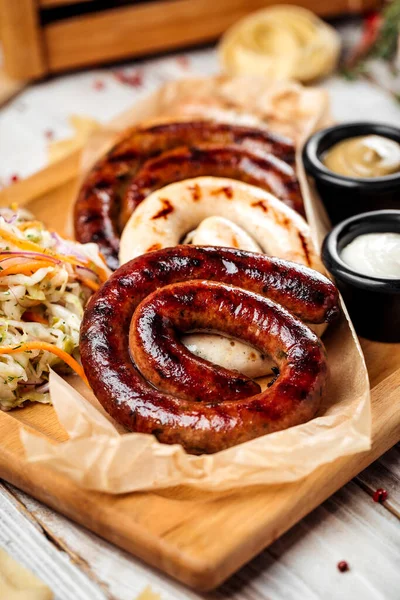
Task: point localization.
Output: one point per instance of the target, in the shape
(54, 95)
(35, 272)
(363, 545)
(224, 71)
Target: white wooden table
(302, 565)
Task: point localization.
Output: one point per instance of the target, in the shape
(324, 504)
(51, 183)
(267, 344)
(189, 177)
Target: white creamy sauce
(374, 254)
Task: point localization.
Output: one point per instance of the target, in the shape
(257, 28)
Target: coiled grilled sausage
(264, 224)
(232, 161)
(98, 206)
(223, 289)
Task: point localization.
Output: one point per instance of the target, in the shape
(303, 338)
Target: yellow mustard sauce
(364, 156)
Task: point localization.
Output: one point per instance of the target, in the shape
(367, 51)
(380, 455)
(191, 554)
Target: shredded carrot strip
(15, 257)
(32, 246)
(27, 268)
(46, 347)
(88, 282)
(103, 258)
(27, 224)
(34, 317)
(23, 244)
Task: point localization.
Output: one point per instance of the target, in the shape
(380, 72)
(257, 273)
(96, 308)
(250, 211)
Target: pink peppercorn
(380, 495)
(343, 566)
(98, 85)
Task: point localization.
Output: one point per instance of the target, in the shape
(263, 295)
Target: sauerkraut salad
(45, 283)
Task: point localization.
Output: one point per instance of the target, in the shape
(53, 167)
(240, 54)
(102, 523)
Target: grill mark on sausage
(226, 190)
(165, 211)
(305, 247)
(102, 185)
(195, 190)
(127, 156)
(260, 204)
(154, 247)
(235, 243)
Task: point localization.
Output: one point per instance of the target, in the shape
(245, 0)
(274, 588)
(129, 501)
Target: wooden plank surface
(24, 539)
(385, 474)
(42, 184)
(9, 87)
(199, 538)
(139, 29)
(349, 526)
(21, 39)
(149, 27)
(341, 6)
(111, 569)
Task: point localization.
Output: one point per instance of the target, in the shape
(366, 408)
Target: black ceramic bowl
(347, 196)
(373, 304)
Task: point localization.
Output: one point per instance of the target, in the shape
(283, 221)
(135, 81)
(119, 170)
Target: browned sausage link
(155, 139)
(165, 362)
(236, 162)
(190, 306)
(205, 426)
(97, 207)
(98, 204)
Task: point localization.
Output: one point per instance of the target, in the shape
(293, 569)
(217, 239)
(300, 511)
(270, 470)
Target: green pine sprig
(385, 46)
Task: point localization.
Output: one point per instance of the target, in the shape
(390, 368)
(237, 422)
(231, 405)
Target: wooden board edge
(341, 470)
(22, 40)
(208, 573)
(51, 177)
(39, 482)
(9, 87)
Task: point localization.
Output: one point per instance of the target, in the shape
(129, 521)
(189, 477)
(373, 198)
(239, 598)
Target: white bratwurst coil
(218, 231)
(220, 212)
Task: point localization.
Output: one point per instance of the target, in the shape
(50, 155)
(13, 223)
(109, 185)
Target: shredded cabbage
(45, 305)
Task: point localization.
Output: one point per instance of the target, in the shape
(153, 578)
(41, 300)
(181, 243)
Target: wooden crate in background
(40, 37)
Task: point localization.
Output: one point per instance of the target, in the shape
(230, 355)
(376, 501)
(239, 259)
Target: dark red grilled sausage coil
(149, 382)
(103, 205)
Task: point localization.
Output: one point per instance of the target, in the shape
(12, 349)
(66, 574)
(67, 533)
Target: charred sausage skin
(101, 197)
(168, 280)
(232, 161)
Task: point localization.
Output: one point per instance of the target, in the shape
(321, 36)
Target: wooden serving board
(200, 538)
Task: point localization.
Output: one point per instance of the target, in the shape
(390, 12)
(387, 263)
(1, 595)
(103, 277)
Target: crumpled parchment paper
(99, 455)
